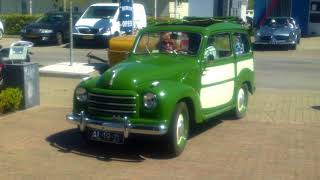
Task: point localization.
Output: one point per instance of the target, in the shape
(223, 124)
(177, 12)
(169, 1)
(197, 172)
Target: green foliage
(13, 23)
(152, 21)
(251, 4)
(10, 100)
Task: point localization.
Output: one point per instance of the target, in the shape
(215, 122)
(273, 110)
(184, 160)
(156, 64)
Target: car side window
(241, 44)
(218, 47)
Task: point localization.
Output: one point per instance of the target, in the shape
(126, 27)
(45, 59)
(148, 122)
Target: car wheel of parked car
(241, 102)
(178, 130)
(293, 46)
(59, 38)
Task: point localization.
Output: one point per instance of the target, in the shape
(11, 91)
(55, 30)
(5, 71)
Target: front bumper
(91, 37)
(274, 42)
(123, 126)
(49, 37)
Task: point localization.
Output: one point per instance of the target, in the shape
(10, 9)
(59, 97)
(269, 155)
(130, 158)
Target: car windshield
(50, 18)
(168, 42)
(277, 22)
(100, 12)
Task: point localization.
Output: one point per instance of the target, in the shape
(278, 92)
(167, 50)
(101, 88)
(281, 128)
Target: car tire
(59, 38)
(177, 135)
(293, 47)
(242, 99)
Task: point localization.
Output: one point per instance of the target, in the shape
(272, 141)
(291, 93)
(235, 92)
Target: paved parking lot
(277, 140)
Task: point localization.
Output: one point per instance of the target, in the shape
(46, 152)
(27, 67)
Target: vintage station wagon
(176, 76)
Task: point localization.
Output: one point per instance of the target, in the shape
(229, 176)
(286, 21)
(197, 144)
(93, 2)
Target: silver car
(279, 31)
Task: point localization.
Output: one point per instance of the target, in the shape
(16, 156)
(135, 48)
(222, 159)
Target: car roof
(201, 25)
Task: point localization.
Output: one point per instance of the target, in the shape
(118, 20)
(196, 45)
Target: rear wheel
(179, 130)
(242, 100)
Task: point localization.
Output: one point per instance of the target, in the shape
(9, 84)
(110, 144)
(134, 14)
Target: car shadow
(137, 149)
(316, 108)
(86, 46)
(270, 48)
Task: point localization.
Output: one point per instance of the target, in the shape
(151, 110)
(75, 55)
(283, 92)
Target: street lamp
(30, 7)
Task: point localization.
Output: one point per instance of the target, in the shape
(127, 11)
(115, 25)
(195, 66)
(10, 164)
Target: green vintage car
(176, 76)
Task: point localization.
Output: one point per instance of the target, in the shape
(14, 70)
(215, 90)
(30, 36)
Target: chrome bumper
(274, 42)
(125, 126)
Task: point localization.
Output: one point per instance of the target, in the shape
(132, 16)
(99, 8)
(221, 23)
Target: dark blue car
(53, 27)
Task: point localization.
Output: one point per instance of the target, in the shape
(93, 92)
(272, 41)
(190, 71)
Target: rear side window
(241, 44)
(218, 46)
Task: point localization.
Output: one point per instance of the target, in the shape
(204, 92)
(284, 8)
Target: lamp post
(30, 7)
(71, 35)
(155, 9)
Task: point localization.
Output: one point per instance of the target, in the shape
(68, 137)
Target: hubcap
(180, 129)
(241, 100)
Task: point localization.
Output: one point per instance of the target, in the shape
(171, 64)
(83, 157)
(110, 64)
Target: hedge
(13, 23)
(10, 100)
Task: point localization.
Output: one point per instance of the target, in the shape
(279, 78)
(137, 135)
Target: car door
(218, 78)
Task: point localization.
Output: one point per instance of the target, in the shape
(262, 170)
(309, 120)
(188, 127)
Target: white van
(100, 22)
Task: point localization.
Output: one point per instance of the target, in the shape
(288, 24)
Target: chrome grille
(88, 30)
(282, 37)
(265, 38)
(109, 105)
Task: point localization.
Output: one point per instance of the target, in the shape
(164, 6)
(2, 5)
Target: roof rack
(207, 21)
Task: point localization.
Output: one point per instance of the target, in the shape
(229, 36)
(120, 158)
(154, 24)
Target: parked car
(53, 27)
(176, 76)
(279, 31)
(100, 22)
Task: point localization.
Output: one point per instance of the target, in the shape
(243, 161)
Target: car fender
(169, 93)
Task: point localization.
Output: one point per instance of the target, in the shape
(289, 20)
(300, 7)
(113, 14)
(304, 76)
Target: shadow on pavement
(135, 150)
(270, 48)
(87, 46)
(316, 107)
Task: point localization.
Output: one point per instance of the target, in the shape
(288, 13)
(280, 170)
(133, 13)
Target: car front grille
(111, 105)
(281, 37)
(88, 30)
(265, 38)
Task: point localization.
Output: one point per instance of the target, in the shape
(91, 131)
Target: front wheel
(242, 100)
(179, 130)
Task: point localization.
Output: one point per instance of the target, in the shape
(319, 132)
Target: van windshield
(101, 12)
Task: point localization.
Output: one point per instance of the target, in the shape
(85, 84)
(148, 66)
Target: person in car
(167, 44)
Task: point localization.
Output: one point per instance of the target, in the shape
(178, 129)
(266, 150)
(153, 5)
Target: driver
(166, 43)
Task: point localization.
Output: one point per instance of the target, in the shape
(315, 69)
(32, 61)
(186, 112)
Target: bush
(13, 23)
(10, 100)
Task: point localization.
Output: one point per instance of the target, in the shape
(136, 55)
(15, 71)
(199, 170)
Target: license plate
(32, 36)
(110, 137)
(88, 37)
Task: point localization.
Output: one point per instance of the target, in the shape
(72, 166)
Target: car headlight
(150, 100)
(258, 34)
(81, 94)
(45, 31)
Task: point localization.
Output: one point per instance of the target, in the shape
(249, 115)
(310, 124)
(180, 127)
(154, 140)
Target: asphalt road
(275, 68)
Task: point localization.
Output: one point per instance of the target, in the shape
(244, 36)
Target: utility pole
(155, 9)
(71, 35)
(64, 5)
(30, 7)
